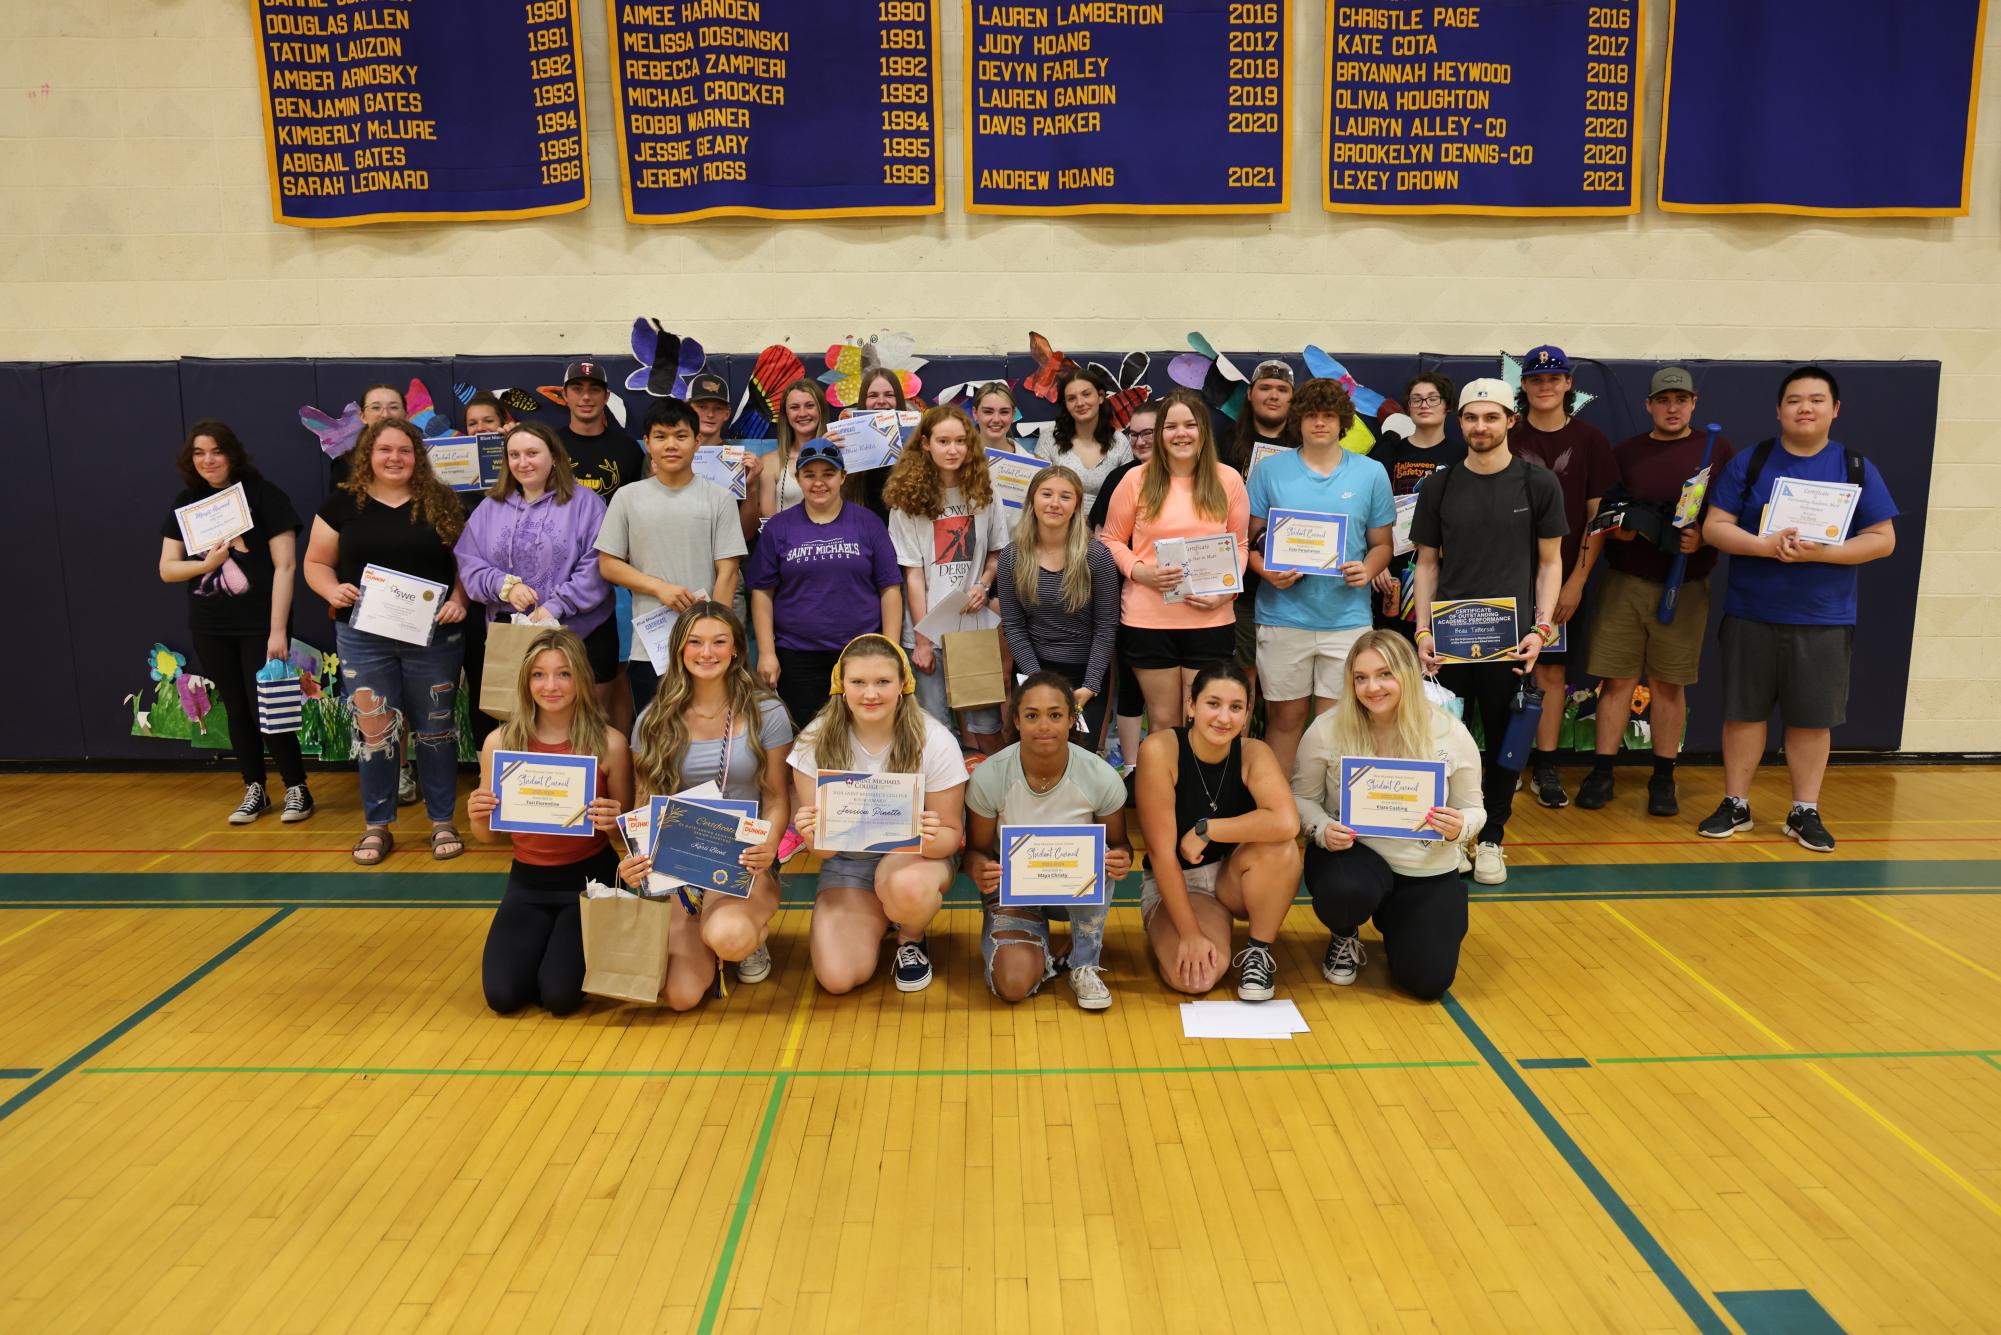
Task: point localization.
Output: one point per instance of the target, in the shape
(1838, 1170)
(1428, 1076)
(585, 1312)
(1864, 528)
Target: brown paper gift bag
(506, 645)
(625, 946)
(973, 672)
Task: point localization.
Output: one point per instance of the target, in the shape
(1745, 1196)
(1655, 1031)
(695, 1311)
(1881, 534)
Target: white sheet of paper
(655, 630)
(1400, 543)
(397, 606)
(1241, 1019)
(943, 615)
(206, 525)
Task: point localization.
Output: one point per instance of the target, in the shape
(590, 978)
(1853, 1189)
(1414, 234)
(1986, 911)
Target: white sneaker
(756, 966)
(406, 787)
(1465, 862)
(1490, 867)
(1092, 994)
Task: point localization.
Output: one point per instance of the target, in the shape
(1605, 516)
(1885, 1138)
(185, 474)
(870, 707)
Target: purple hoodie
(552, 546)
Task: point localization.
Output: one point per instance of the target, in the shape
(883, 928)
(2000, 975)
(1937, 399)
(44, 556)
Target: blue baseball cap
(1547, 359)
(819, 448)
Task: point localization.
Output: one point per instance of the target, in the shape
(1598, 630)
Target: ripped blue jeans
(1030, 926)
(386, 681)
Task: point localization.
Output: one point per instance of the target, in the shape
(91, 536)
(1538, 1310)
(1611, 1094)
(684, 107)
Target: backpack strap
(1762, 455)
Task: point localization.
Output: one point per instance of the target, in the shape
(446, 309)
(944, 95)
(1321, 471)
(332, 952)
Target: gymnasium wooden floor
(1679, 1084)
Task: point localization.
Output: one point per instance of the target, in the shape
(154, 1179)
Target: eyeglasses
(1425, 401)
(1144, 433)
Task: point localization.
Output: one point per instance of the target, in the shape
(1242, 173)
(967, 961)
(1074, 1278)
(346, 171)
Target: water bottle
(1525, 712)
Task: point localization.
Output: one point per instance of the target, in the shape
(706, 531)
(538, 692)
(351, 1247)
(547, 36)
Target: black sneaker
(1729, 817)
(298, 804)
(1804, 827)
(1661, 800)
(1343, 960)
(1256, 972)
(255, 803)
(1548, 785)
(1596, 790)
(913, 966)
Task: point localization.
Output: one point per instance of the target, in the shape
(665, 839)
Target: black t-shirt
(1485, 526)
(390, 536)
(235, 597)
(1409, 465)
(1110, 485)
(604, 462)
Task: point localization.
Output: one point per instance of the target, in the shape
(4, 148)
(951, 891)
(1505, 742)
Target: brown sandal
(373, 846)
(443, 836)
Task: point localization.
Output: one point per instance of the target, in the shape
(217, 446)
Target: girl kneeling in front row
(1220, 825)
(711, 722)
(1044, 779)
(1410, 887)
(873, 724)
(535, 947)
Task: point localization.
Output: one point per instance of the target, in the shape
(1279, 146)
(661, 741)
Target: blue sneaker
(913, 966)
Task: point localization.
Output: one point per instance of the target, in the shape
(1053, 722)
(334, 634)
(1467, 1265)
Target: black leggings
(232, 662)
(1422, 918)
(535, 946)
(803, 677)
(1489, 688)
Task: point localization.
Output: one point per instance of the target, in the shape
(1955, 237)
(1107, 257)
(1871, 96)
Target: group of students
(828, 669)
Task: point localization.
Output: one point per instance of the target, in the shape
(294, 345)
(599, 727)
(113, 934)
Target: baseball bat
(1678, 568)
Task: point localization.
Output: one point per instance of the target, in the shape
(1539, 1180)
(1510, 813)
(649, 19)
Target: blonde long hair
(831, 733)
(1211, 501)
(663, 733)
(913, 485)
(788, 440)
(1415, 727)
(588, 727)
(430, 500)
(1076, 544)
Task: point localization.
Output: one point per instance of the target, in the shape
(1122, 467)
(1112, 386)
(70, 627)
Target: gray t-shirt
(1087, 794)
(675, 534)
(952, 549)
(701, 761)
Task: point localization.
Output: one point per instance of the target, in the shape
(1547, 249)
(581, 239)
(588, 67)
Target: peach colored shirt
(1130, 540)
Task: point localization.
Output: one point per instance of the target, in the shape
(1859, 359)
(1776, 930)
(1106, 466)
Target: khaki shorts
(1294, 663)
(1627, 640)
(1199, 880)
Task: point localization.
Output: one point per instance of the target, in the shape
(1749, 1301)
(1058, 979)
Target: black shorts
(1148, 649)
(1800, 670)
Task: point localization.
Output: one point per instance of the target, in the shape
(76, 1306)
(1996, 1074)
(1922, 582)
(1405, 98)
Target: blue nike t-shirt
(1357, 488)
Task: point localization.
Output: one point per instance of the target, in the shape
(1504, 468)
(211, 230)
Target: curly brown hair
(430, 500)
(1321, 395)
(913, 486)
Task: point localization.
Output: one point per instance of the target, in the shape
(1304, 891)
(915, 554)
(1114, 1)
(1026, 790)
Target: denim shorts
(1199, 880)
(856, 871)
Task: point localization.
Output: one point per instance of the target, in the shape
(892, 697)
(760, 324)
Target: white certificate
(655, 632)
(1262, 451)
(872, 439)
(1401, 545)
(868, 813)
(1011, 474)
(456, 462)
(1208, 565)
(538, 793)
(1391, 799)
(1310, 542)
(208, 524)
(728, 466)
(397, 606)
(1820, 511)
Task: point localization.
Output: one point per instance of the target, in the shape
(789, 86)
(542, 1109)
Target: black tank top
(1212, 792)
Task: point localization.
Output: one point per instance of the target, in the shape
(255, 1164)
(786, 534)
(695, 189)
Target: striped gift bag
(281, 698)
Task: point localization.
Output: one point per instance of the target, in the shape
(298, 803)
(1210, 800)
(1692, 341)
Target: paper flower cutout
(757, 411)
(1049, 368)
(1222, 386)
(520, 400)
(336, 436)
(667, 362)
(848, 362)
(1511, 372)
(165, 663)
(194, 698)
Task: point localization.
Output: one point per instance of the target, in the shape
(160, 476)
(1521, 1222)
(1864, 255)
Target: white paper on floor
(1241, 1019)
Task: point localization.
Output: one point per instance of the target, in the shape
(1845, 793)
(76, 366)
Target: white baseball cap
(1488, 390)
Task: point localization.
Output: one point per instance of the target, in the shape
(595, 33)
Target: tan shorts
(1294, 663)
(1628, 640)
(1199, 880)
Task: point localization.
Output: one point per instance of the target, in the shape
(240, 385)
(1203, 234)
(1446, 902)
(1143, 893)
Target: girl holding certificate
(802, 416)
(1411, 886)
(393, 522)
(1059, 594)
(535, 946)
(239, 600)
(1217, 799)
(531, 547)
(1182, 492)
(712, 723)
(1044, 779)
(873, 725)
(1083, 438)
(948, 532)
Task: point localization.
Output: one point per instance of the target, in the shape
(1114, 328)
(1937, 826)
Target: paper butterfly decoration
(1367, 402)
(757, 410)
(667, 362)
(1121, 401)
(520, 400)
(848, 362)
(1222, 386)
(336, 436)
(1049, 367)
(1511, 373)
(422, 414)
(1124, 401)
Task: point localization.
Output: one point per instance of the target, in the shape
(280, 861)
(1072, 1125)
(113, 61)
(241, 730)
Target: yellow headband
(909, 677)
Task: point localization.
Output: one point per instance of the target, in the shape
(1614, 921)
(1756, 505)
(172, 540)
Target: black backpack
(1761, 457)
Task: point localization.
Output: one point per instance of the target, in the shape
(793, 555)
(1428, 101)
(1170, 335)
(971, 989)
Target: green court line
(1526, 884)
(674, 1073)
(727, 1261)
(1990, 1061)
(1985, 1054)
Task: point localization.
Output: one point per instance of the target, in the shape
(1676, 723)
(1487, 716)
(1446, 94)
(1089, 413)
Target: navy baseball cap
(1548, 359)
(585, 370)
(819, 448)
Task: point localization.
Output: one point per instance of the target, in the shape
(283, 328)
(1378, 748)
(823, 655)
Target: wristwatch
(1202, 830)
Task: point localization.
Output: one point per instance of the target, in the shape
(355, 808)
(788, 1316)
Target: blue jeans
(386, 682)
(1027, 926)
